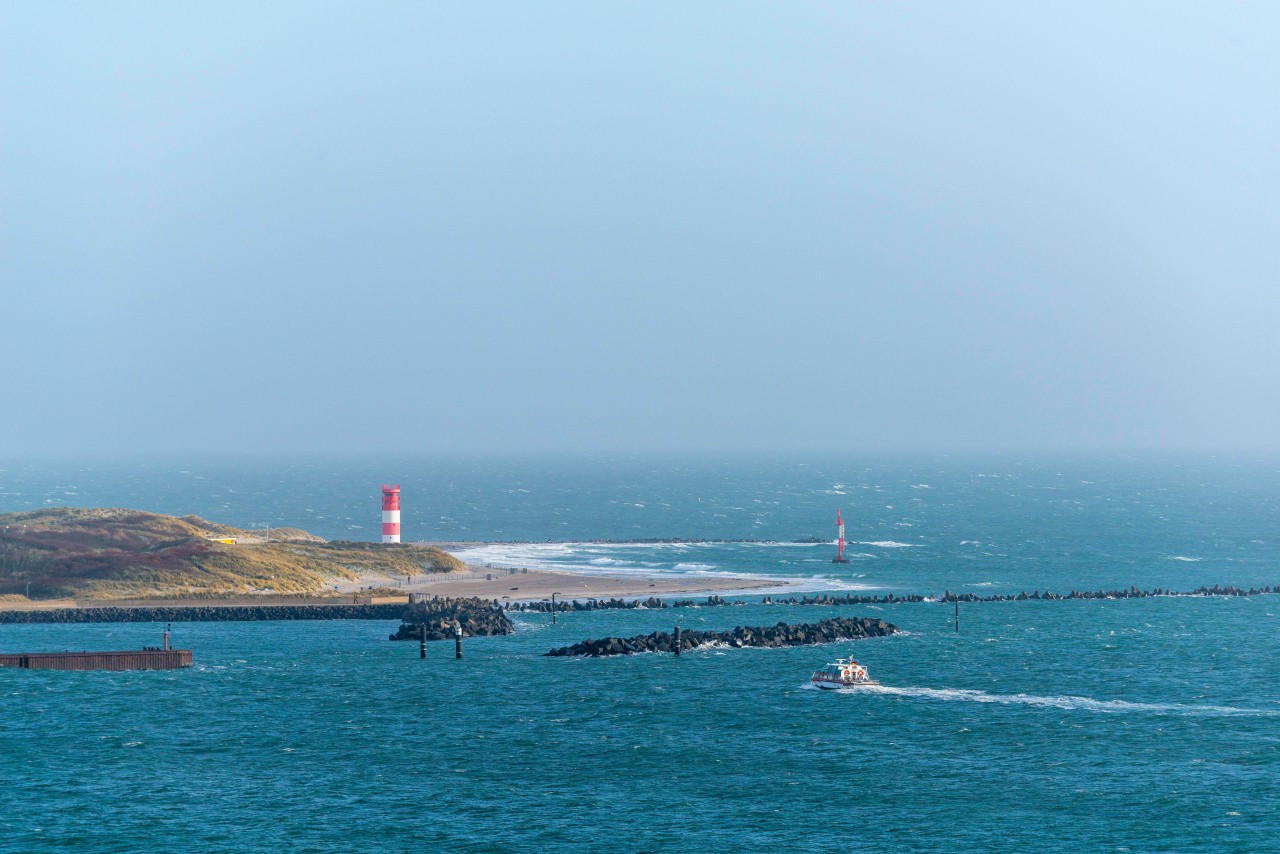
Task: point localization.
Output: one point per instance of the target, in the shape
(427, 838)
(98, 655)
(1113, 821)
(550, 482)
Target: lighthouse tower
(839, 558)
(391, 513)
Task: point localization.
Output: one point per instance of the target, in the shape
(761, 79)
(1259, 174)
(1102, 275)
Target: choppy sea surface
(1139, 725)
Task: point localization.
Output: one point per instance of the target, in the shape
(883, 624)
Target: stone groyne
(490, 624)
(1130, 593)
(439, 616)
(830, 599)
(653, 602)
(207, 614)
(825, 631)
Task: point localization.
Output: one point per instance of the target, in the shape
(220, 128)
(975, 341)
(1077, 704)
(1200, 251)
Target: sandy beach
(487, 583)
(529, 584)
(541, 583)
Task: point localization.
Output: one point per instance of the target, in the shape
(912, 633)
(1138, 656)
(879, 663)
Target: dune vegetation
(116, 553)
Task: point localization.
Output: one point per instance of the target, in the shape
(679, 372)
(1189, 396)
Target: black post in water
(553, 608)
(457, 641)
(677, 640)
(957, 613)
(422, 649)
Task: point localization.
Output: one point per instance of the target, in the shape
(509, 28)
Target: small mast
(839, 558)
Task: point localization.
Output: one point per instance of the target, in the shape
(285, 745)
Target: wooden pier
(141, 659)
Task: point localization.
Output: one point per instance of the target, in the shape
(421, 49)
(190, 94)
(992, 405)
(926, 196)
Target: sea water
(1142, 725)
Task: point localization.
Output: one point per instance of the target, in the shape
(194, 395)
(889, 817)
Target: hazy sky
(407, 228)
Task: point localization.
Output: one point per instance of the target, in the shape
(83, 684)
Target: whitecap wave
(593, 559)
(1184, 558)
(888, 544)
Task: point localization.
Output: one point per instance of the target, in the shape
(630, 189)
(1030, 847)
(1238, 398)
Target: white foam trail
(888, 544)
(1187, 559)
(1074, 703)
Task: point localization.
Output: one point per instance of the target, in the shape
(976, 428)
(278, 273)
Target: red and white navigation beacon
(391, 513)
(839, 558)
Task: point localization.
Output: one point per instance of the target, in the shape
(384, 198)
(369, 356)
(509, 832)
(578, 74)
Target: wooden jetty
(140, 659)
(147, 658)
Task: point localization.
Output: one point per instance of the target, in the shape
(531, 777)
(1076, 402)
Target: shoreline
(503, 585)
(619, 594)
(535, 584)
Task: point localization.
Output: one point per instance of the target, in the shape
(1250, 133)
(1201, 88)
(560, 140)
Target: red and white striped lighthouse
(391, 513)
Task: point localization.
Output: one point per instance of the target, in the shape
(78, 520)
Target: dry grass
(113, 553)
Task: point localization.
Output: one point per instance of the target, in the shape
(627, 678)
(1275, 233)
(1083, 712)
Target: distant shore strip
(397, 610)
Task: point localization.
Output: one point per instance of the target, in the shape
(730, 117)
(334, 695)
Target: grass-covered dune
(115, 553)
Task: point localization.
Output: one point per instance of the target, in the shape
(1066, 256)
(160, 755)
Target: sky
(427, 228)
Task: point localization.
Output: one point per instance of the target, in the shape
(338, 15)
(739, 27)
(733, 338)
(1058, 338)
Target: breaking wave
(682, 560)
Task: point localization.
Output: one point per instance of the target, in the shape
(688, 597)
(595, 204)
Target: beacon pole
(839, 558)
(553, 608)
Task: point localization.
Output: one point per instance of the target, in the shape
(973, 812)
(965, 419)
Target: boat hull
(828, 685)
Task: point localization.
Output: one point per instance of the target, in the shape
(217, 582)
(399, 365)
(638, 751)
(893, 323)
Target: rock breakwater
(206, 614)
(780, 635)
(1130, 593)
(439, 615)
(836, 599)
(655, 603)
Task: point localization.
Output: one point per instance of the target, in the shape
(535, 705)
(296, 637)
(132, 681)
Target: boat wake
(1087, 704)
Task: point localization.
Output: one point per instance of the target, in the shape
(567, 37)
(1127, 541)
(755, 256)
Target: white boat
(843, 673)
